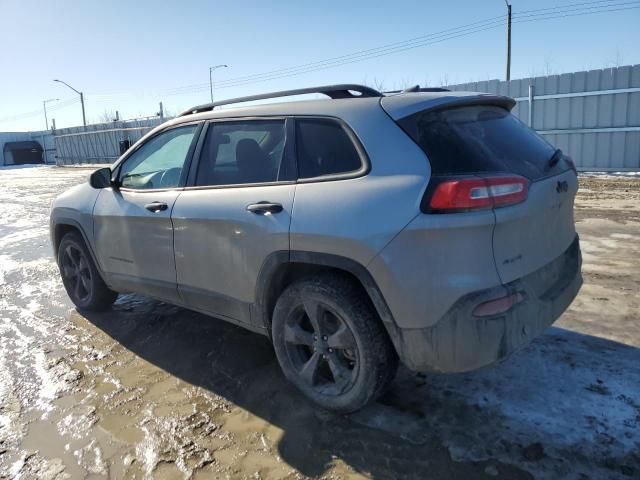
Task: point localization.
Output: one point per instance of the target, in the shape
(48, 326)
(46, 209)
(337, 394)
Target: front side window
(323, 147)
(242, 152)
(159, 162)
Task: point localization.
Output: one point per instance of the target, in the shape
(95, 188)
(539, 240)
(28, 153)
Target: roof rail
(333, 91)
(417, 88)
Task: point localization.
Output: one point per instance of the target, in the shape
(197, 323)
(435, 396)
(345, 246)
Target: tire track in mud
(150, 390)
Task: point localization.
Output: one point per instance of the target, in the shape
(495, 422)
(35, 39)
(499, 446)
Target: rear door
(234, 214)
(133, 232)
(486, 140)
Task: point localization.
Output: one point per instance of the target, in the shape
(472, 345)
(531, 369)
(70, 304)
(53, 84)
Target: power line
(579, 14)
(541, 14)
(34, 113)
(64, 104)
(495, 21)
(397, 47)
(351, 59)
(408, 45)
(567, 6)
(341, 57)
(548, 13)
(565, 9)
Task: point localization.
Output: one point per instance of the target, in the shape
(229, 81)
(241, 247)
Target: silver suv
(427, 226)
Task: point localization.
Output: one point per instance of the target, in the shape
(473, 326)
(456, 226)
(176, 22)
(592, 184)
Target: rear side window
(324, 148)
(478, 139)
(242, 152)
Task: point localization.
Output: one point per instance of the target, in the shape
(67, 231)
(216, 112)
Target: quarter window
(159, 162)
(242, 152)
(324, 148)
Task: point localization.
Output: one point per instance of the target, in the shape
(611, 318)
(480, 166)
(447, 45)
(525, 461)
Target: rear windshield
(478, 139)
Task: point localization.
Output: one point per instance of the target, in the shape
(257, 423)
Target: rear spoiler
(401, 106)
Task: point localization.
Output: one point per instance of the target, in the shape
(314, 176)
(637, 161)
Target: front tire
(80, 277)
(331, 344)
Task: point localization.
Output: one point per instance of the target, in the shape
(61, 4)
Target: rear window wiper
(554, 159)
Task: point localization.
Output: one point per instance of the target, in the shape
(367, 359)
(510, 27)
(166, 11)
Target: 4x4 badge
(562, 187)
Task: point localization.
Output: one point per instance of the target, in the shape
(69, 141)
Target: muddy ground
(153, 391)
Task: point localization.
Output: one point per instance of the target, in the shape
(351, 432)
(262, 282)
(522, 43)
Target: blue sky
(129, 55)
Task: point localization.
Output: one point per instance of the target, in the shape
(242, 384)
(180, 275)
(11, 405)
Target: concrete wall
(594, 116)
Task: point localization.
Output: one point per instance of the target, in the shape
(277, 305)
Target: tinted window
(478, 139)
(242, 152)
(158, 163)
(324, 148)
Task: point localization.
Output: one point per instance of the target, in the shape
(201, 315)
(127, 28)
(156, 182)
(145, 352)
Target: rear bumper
(460, 342)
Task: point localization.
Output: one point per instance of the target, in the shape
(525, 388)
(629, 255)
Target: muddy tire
(331, 344)
(80, 277)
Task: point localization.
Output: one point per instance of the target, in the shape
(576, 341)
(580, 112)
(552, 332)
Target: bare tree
(406, 83)
(169, 113)
(548, 65)
(444, 80)
(616, 60)
(378, 84)
(107, 116)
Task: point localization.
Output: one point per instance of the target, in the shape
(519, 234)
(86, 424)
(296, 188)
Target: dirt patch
(149, 390)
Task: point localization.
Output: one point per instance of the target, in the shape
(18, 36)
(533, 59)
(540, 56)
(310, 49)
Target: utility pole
(211, 69)
(44, 106)
(508, 40)
(161, 112)
(84, 119)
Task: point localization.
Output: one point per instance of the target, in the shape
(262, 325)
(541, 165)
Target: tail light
(464, 194)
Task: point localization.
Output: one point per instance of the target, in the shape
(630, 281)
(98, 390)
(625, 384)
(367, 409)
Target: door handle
(156, 207)
(265, 208)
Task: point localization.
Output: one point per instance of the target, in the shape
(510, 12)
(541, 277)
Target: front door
(237, 213)
(133, 232)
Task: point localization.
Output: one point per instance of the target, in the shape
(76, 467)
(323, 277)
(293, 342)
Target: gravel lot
(150, 390)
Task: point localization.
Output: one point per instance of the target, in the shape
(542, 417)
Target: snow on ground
(146, 387)
(574, 395)
(611, 174)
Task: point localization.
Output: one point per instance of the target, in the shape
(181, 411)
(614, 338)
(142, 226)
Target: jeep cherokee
(426, 226)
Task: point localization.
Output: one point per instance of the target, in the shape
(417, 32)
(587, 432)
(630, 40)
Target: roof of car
(397, 105)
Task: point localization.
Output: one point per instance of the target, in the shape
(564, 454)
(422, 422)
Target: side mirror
(101, 178)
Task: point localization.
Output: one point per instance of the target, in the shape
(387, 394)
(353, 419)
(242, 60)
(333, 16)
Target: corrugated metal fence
(98, 143)
(593, 116)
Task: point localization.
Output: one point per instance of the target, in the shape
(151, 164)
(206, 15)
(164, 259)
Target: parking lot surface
(149, 390)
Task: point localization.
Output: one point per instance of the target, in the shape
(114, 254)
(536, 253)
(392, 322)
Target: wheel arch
(282, 268)
(61, 227)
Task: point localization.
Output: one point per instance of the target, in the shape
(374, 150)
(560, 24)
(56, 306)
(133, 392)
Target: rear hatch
(474, 139)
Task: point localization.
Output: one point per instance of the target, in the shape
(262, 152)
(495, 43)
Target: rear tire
(331, 344)
(80, 277)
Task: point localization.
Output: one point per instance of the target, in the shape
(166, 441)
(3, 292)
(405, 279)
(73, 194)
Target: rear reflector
(476, 193)
(497, 306)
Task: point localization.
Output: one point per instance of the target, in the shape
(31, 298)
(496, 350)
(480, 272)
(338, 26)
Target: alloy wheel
(321, 347)
(76, 273)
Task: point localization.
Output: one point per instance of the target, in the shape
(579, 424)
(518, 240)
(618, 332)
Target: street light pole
(508, 40)
(84, 119)
(211, 69)
(44, 106)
